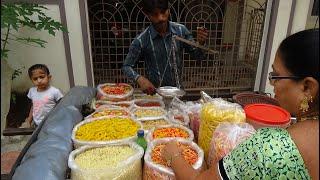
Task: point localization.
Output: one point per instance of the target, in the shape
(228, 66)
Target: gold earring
(304, 106)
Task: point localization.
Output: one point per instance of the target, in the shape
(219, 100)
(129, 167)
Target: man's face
(159, 19)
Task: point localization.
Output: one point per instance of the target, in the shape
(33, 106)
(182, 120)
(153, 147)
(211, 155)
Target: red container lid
(267, 114)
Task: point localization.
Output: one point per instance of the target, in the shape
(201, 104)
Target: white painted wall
(298, 24)
(300, 15)
(53, 56)
(76, 42)
(54, 53)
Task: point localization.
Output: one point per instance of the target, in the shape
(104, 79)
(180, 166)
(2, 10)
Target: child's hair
(149, 5)
(38, 66)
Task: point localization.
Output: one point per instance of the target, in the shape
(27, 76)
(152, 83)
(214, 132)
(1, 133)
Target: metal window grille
(235, 30)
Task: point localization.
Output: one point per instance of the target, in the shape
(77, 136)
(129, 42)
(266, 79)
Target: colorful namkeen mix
(111, 112)
(169, 132)
(117, 89)
(189, 154)
(142, 112)
(149, 124)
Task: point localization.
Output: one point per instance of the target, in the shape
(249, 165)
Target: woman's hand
(169, 150)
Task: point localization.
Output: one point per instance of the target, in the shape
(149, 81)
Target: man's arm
(128, 64)
(131, 60)
(194, 52)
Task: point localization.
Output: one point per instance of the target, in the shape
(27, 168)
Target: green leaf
(4, 54)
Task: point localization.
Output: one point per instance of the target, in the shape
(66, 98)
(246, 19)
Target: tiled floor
(7, 161)
(10, 150)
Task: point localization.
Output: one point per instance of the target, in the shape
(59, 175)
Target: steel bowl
(170, 92)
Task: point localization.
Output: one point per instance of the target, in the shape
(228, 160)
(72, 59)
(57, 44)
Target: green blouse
(268, 154)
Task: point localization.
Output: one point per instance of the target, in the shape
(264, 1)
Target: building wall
(76, 42)
(54, 55)
(299, 22)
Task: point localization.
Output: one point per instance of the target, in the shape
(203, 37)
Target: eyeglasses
(273, 77)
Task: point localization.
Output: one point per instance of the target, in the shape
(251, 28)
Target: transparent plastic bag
(154, 171)
(141, 113)
(100, 104)
(193, 110)
(214, 112)
(146, 96)
(151, 123)
(177, 112)
(226, 137)
(148, 103)
(187, 130)
(129, 168)
(116, 96)
(178, 116)
(78, 143)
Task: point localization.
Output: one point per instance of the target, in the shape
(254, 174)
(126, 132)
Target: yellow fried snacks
(107, 129)
(98, 158)
(211, 116)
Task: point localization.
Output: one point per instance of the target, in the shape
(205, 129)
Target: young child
(44, 97)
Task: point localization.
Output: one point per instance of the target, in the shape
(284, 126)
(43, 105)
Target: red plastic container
(267, 115)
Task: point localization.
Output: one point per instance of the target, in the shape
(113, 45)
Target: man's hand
(146, 86)
(202, 35)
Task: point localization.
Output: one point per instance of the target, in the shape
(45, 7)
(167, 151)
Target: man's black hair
(38, 66)
(148, 6)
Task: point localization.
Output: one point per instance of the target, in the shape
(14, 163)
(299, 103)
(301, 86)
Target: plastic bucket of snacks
(114, 91)
(170, 131)
(109, 111)
(105, 130)
(267, 115)
(120, 162)
(212, 114)
(148, 103)
(156, 168)
(148, 112)
(150, 123)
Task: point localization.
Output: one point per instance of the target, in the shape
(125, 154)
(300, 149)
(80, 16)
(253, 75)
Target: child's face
(40, 79)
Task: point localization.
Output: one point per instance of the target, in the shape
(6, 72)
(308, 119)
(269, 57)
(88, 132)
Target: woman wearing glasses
(275, 153)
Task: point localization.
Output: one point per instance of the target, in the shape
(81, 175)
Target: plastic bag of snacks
(170, 131)
(214, 112)
(178, 116)
(226, 137)
(141, 113)
(105, 130)
(193, 110)
(146, 96)
(109, 111)
(103, 104)
(116, 162)
(114, 91)
(148, 103)
(149, 123)
(156, 168)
